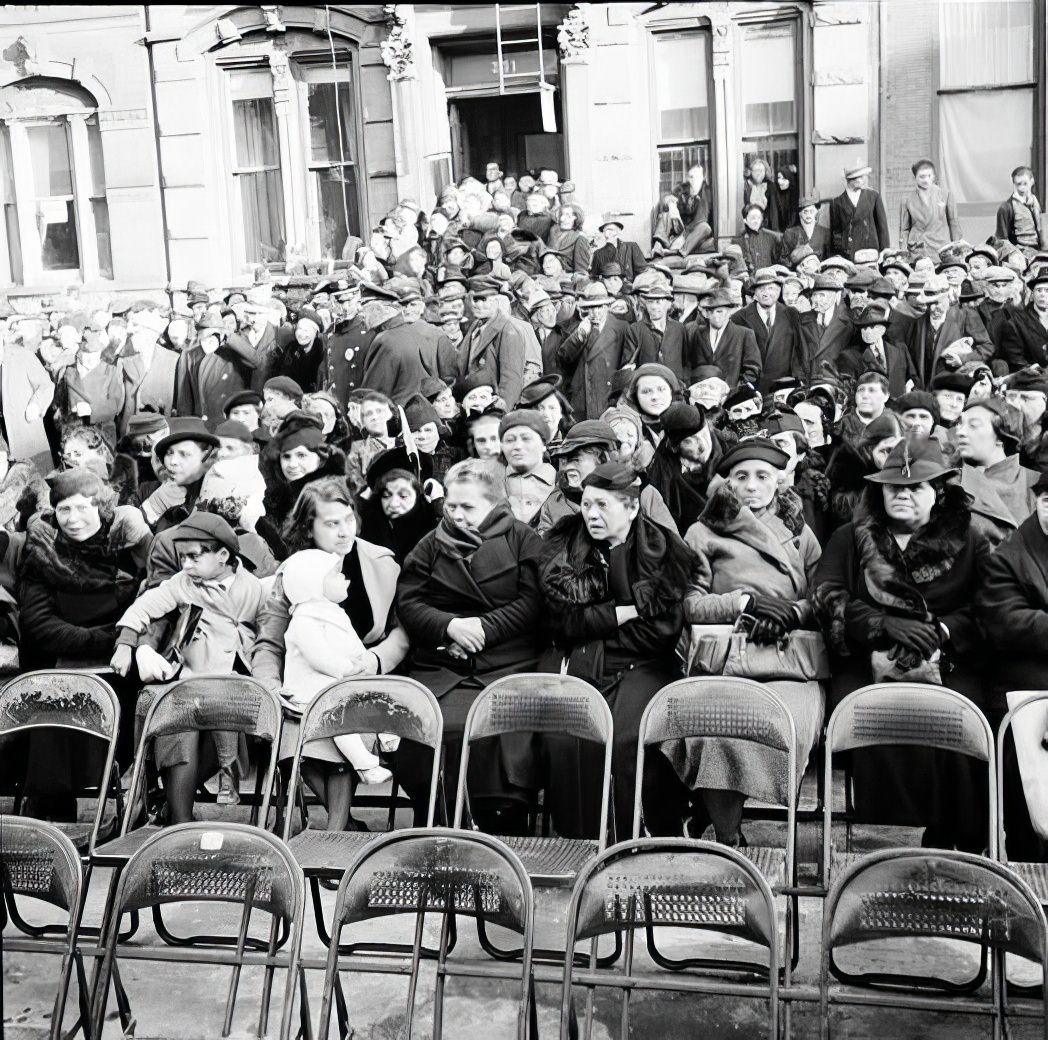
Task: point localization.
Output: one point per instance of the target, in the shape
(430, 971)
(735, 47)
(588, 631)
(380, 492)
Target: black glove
(771, 608)
(922, 637)
(766, 631)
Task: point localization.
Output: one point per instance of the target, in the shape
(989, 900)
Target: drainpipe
(156, 143)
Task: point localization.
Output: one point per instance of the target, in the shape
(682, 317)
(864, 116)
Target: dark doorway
(507, 130)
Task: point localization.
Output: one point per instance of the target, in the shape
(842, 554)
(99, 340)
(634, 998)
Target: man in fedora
(491, 341)
(828, 327)
(627, 255)
(877, 353)
(806, 231)
(1024, 333)
(857, 217)
(593, 352)
(946, 335)
(656, 337)
(731, 347)
(777, 329)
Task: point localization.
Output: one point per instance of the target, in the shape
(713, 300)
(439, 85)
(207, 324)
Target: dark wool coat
(576, 249)
(926, 347)
(590, 362)
(864, 226)
(783, 348)
(853, 362)
(1022, 339)
(400, 356)
(102, 389)
(497, 346)
(943, 563)
(760, 248)
(645, 345)
(824, 344)
(797, 236)
(626, 254)
(344, 355)
(204, 381)
(737, 355)
(305, 367)
(149, 389)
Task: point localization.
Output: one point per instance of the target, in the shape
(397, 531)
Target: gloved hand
(772, 608)
(766, 631)
(922, 637)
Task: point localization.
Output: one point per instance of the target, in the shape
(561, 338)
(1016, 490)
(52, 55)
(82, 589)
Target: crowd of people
(503, 439)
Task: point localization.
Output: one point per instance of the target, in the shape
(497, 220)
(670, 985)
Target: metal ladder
(537, 39)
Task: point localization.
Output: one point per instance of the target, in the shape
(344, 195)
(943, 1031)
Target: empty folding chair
(38, 861)
(441, 871)
(907, 715)
(375, 704)
(928, 894)
(211, 862)
(745, 712)
(232, 702)
(538, 702)
(684, 883)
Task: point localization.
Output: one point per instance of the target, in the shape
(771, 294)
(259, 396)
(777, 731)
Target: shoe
(353, 824)
(228, 791)
(375, 775)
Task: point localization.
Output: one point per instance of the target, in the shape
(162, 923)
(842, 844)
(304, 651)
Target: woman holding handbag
(751, 618)
(895, 591)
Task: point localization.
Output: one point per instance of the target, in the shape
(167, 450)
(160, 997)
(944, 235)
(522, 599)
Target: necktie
(767, 320)
(714, 336)
(878, 355)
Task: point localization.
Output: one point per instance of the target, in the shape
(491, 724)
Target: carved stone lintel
(573, 34)
(22, 54)
(397, 53)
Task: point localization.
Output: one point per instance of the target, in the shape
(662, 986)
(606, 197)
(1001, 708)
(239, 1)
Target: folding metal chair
(540, 702)
(926, 893)
(229, 702)
(375, 704)
(907, 715)
(77, 703)
(673, 883)
(745, 711)
(211, 862)
(38, 861)
(442, 871)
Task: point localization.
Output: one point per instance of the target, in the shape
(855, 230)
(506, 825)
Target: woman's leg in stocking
(341, 780)
(180, 783)
(725, 810)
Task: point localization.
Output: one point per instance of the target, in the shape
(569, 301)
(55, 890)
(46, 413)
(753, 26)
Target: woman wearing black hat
(756, 558)
(895, 592)
(613, 582)
(396, 513)
(296, 456)
(186, 454)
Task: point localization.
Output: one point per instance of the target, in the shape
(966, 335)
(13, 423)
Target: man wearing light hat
(593, 352)
(857, 217)
(257, 337)
(777, 330)
(1024, 334)
(946, 336)
(828, 327)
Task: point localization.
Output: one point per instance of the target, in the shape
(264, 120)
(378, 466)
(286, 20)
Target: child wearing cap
(223, 599)
(321, 646)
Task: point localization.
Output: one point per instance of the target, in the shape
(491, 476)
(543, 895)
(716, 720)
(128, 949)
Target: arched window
(52, 185)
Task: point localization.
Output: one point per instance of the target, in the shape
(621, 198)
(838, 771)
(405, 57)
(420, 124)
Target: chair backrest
(207, 702)
(927, 893)
(539, 702)
(907, 715)
(672, 882)
(38, 860)
(69, 700)
(725, 708)
(373, 704)
(1032, 700)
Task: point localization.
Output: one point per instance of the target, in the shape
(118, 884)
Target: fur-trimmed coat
(281, 494)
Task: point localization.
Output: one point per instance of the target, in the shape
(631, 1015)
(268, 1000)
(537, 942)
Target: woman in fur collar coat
(613, 582)
(895, 591)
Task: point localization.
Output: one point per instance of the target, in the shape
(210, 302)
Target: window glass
(326, 121)
(676, 160)
(769, 99)
(254, 127)
(49, 154)
(681, 78)
(985, 44)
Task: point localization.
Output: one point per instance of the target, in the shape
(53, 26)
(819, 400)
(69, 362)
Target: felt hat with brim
(861, 280)
(857, 169)
(244, 397)
(211, 325)
(839, 262)
(369, 292)
(867, 256)
(233, 430)
(824, 283)
(473, 381)
(897, 263)
(142, 423)
(656, 292)
(610, 219)
(912, 463)
(810, 199)
(284, 385)
(874, 314)
(950, 260)
(802, 252)
(1039, 277)
(185, 429)
(614, 476)
(969, 293)
(754, 449)
(765, 276)
(595, 296)
(717, 298)
(880, 286)
(432, 387)
(207, 527)
(693, 285)
(419, 465)
(933, 288)
(539, 390)
(1032, 377)
(985, 250)
(998, 276)
(537, 299)
(482, 286)
(590, 433)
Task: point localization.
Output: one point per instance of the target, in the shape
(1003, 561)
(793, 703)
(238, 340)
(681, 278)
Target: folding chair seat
(679, 883)
(906, 715)
(229, 702)
(38, 861)
(229, 863)
(374, 704)
(743, 711)
(929, 894)
(451, 873)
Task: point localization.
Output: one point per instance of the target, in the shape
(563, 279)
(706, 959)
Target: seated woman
(895, 592)
(325, 518)
(613, 584)
(469, 601)
(756, 556)
(396, 514)
(80, 570)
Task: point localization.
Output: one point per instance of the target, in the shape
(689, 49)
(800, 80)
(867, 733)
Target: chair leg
(305, 1026)
(83, 1022)
(267, 980)
(341, 1009)
(122, 1002)
(234, 981)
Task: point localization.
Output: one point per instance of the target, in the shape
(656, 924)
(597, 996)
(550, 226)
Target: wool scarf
(460, 543)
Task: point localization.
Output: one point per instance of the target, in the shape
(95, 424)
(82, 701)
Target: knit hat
(298, 429)
(302, 575)
(284, 385)
(613, 415)
(918, 399)
(754, 449)
(233, 430)
(207, 527)
(682, 420)
(524, 417)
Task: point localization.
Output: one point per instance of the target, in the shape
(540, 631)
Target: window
(55, 222)
(770, 101)
(987, 103)
(682, 95)
(256, 165)
(333, 155)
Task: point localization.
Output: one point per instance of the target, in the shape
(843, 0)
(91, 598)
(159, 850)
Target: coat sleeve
(267, 656)
(1013, 612)
(631, 344)
(951, 218)
(880, 223)
(185, 399)
(837, 228)
(863, 624)
(637, 260)
(570, 350)
(702, 607)
(523, 613)
(511, 365)
(1006, 221)
(425, 625)
(905, 223)
(752, 365)
(982, 345)
(42, 624)
(381, 371)
(581, 255)
(149, 607)
(245, 352)
(1011, 347)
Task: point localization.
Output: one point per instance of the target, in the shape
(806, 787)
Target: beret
(234, 430)
(244, 397)
(524, 417)
(754, 449)
(284, 385)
